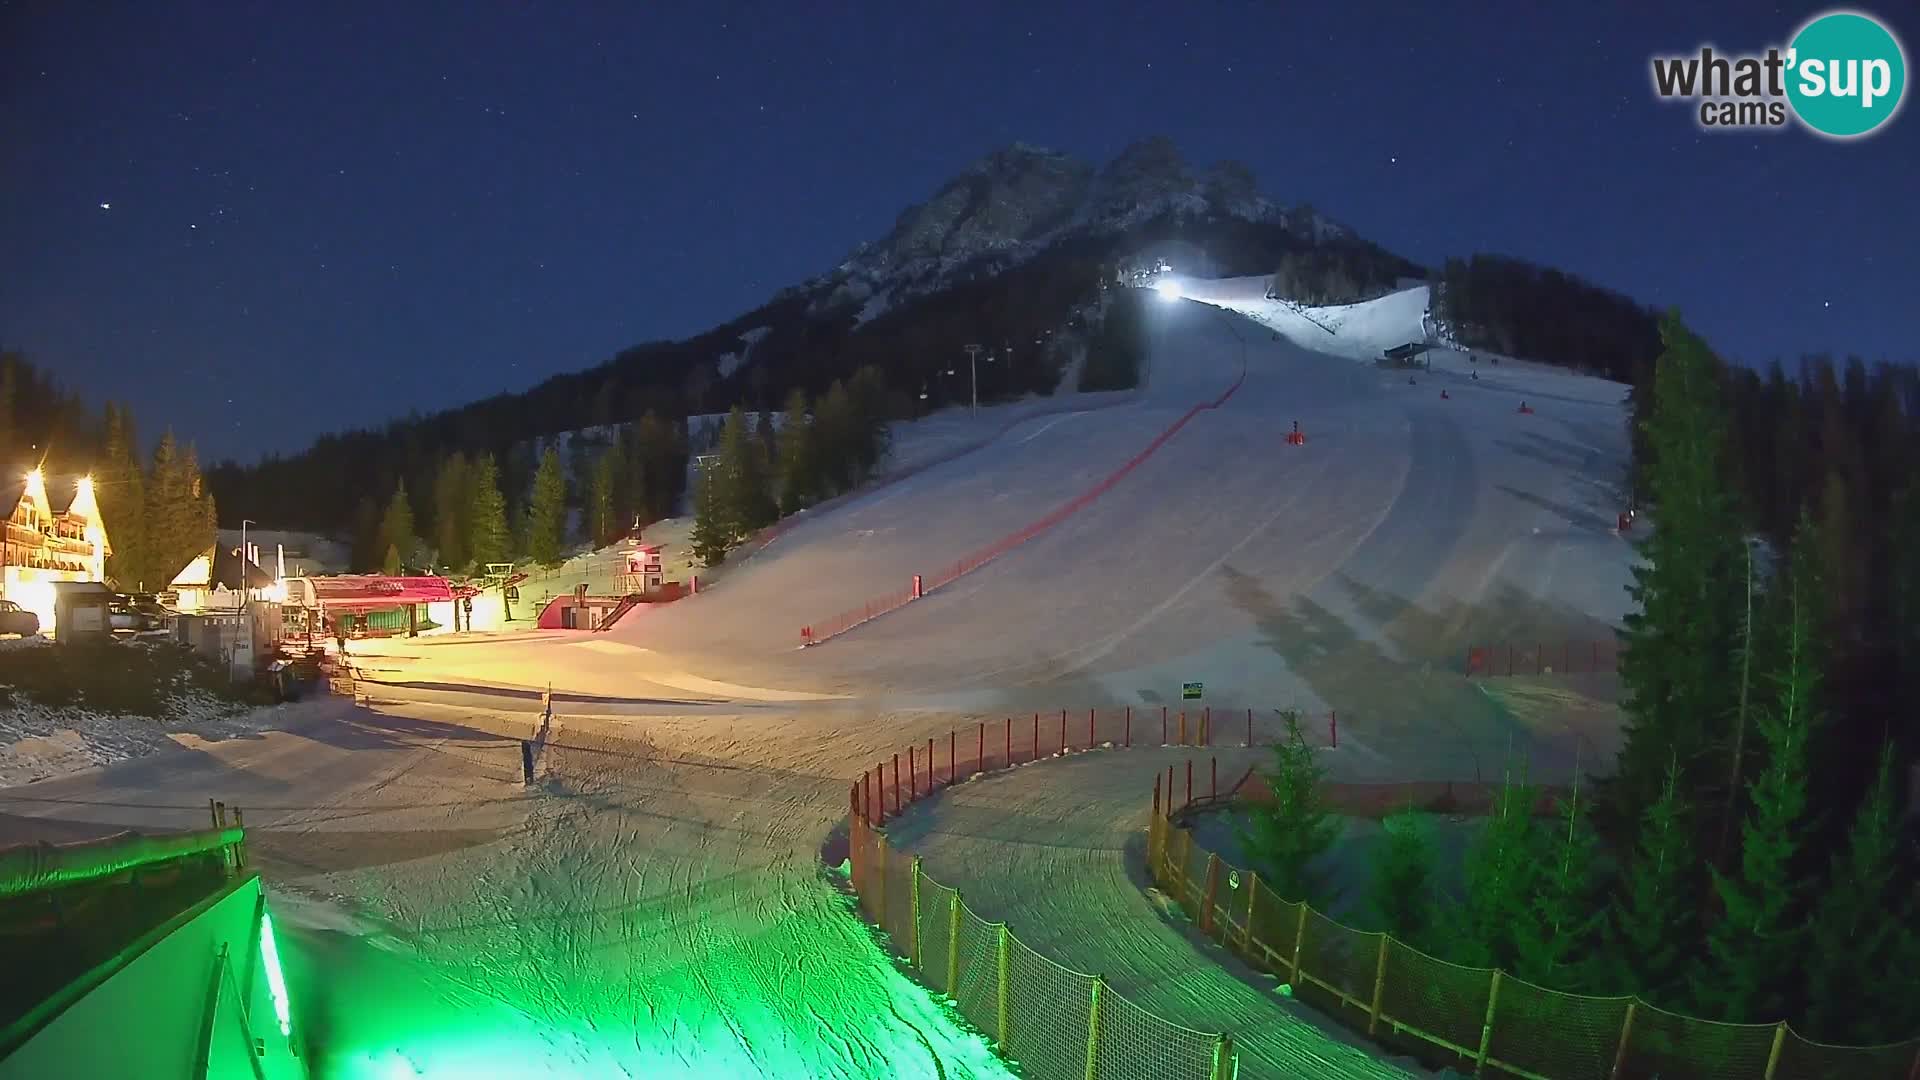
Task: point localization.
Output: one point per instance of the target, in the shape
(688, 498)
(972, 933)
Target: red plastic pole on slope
(1009, 742)
(853, 798)
(953, 757)
(1249, 727)
(1206, 726)
(1163, 734)
(1189, 801)
(980, 756)
(929, 764)
(1063, 731)
(1127, 736)
(1213, 782)
(880, 782)
(913, 777)
(1333, 727)
(1036, 736)
(1090, 715)
(896, 784)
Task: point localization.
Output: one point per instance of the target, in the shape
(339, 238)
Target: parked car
(131, 615)
(15, 619)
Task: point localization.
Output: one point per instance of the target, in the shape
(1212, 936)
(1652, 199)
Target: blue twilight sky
(326, 215)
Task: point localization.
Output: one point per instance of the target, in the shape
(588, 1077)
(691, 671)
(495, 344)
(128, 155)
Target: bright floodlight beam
(1168, 289)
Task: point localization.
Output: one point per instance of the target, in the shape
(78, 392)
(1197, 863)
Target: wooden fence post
(896, 785)
(1253, 897)
(913, 777)
(1127, 737)
(930, 765)
(953, 943)
(1000, 1029)
(1486, 1026)
(1773, 1055)
(913, 904)
(1093, 1026)
(1379, 981)
(1222, 1058)
(1299, 938)
(880, 879)
(1626, 1035)
(1212, 889)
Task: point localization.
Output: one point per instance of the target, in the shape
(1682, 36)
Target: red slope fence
(894, 783)
(1569, 657)
(820, 630)
(1482, 1018)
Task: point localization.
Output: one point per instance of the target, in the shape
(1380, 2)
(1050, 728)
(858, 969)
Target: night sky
(260, 222)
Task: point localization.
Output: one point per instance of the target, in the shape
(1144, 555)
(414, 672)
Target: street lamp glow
(1168, 289)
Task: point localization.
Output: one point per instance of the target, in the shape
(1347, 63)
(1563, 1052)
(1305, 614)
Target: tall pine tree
(547, 511)
(1754, 950)
(1400, 884)
(488, 540)
(1557, 935)
(453, 511)
(1501, 868)
(397, 537)
(798, 481)
(605, 519)
(1678, 648)
(712, 534)
(1284, 837)
(747, 501)
(1653, 924)
(120, 489)
(1864, 933)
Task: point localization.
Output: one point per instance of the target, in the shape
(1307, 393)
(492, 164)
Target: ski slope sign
(1190, 691)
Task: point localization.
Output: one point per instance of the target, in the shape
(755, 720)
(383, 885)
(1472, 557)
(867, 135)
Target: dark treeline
(1510, 306)
(156, 508)
(765, 471)
(1030, 316)
(466, 511)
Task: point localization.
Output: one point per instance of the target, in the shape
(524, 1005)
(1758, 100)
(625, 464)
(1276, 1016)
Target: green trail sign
(1190, 691)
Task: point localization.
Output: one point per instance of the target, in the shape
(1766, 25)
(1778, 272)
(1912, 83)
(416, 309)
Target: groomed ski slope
(1351, 573)
(656, 907)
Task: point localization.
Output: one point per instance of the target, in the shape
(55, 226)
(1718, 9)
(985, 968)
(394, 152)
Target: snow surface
(656, 903)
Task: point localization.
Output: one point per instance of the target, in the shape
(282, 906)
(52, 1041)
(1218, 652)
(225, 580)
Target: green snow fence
(1488, 1022)
(1057, 1023)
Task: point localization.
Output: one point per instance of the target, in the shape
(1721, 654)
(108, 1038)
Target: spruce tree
(835, 442)
(712, 533)
(547, 511)
(1400, 886)
(604, 519)
(661, 461)
(746, 501)
(1864, 933)
(453, 511)
(1754, 950)
(488, 540)
(1678, 648)
(1282, 838)
(797, 468)
(1558, 933)
(1501, 868)
(172, 514)
(120, 491)
(1652, 927)
(397, 537)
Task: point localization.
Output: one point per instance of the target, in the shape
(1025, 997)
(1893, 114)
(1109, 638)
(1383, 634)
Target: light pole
(244, 522)
(973, 370)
